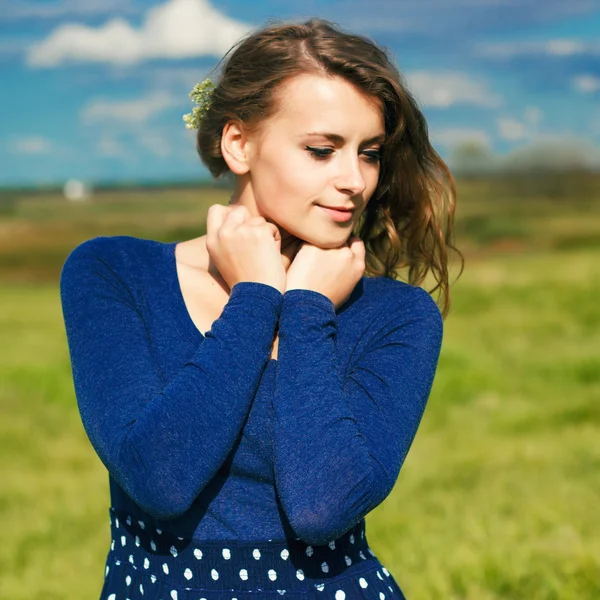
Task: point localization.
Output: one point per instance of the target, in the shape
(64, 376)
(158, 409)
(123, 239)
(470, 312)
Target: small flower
(202, 96)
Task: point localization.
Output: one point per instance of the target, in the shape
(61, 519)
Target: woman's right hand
(244, 248)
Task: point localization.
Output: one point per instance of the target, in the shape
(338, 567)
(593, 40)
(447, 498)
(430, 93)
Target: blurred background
(499, 496)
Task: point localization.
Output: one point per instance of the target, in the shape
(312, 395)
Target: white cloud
(533, 115)
(586, 84)
(135, 111)
(30, 145)
(108, 146)
(446, 88)
(559, 47)
(454, 136)
(14, 11)
(511, 129)
(176, 29)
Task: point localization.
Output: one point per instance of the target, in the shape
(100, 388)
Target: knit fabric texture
(206, 437)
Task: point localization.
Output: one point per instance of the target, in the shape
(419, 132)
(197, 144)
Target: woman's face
(321, 148)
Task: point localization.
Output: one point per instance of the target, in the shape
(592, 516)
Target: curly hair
(408, 220)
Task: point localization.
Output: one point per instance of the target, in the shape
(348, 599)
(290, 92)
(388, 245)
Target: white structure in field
(76, 190)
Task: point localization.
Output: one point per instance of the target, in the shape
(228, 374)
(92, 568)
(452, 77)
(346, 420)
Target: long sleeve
(339, 445)
(161, 441)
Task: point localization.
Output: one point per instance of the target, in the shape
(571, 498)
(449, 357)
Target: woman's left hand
(333, 272)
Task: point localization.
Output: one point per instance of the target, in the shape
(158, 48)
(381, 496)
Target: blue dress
(233, 475)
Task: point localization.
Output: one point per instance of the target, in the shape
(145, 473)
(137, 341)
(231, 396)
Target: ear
(235, 148)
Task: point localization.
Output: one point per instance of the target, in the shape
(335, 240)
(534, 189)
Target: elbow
(318, 525)
(160, 506)
(161, 496)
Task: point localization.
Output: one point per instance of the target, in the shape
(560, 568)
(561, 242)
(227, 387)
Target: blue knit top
(207, 437)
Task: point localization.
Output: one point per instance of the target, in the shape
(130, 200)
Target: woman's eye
(319, 153)
(373, 156)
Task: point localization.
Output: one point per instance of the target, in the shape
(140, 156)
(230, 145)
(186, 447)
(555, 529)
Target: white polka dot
(352, 538)
(112, 545)
(174, 594)
(381, 595)
(128, 520)
(128, 580)
(106, 573)
(117, 522)
(340, 595)
(332, 544)
(362, 555)
(214, 574)
(166, 568)
(159, 531)
(187, 574)
(324, 567)
(123, 540)
(391, 588)
(226, 553)
(142, 524)
(256, 553)
(153, 578)
(348, 560)
(363, 582)
(131, 558)
(371, 552)
(309, 551)
(300, 574)
(141, 589)
(146, 563)
(137, 541)
(243, 574)
(173, 551)
(362, 534)
(272, 574)
(387, 573)
(320, 586)
(198, 553)
(153, 545)
(112, 597)
(379, 575)
(117, 562)
(180, 538)
(284, 554)
(282, 592)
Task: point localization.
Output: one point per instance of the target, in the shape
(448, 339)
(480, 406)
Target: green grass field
(500, 495)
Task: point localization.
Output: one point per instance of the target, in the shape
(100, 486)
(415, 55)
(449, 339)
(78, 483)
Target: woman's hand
(244, 248)
(333, 272)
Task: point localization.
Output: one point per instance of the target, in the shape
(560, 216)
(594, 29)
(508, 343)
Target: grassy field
(499, 497)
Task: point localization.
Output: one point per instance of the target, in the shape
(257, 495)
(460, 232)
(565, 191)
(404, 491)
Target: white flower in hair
(202, 96)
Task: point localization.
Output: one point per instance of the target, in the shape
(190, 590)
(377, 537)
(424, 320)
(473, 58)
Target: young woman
(252, 392)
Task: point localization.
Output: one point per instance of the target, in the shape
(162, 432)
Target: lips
(340, 208)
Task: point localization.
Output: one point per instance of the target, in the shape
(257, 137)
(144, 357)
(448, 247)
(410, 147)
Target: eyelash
(322, 154)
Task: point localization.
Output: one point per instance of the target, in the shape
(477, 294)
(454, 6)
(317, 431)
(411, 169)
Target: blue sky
(96, 89)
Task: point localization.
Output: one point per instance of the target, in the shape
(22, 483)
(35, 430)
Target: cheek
(288, 180)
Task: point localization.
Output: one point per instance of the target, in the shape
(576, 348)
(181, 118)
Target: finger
(234, 218)
(357, 246)
(215, 217)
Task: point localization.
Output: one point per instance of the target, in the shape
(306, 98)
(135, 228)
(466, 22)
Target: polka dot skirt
(145, 562)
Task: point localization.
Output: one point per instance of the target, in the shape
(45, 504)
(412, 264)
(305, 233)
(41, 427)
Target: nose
(351, 178)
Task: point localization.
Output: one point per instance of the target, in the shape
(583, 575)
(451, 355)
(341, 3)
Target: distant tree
(471, 158)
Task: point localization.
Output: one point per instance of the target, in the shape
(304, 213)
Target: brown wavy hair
(408, 220)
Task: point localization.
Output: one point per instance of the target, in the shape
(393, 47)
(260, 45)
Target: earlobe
(234, 148)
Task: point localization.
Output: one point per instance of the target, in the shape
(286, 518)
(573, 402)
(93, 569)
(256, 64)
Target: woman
(251, 392)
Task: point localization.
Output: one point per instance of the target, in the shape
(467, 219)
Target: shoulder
(117, 261)
(117, 252)
(401, 298)
(398, 304)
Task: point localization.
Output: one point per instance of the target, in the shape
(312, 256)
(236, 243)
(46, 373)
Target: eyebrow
(339, 139)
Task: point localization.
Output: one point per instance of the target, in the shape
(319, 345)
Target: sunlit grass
(498, 498)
